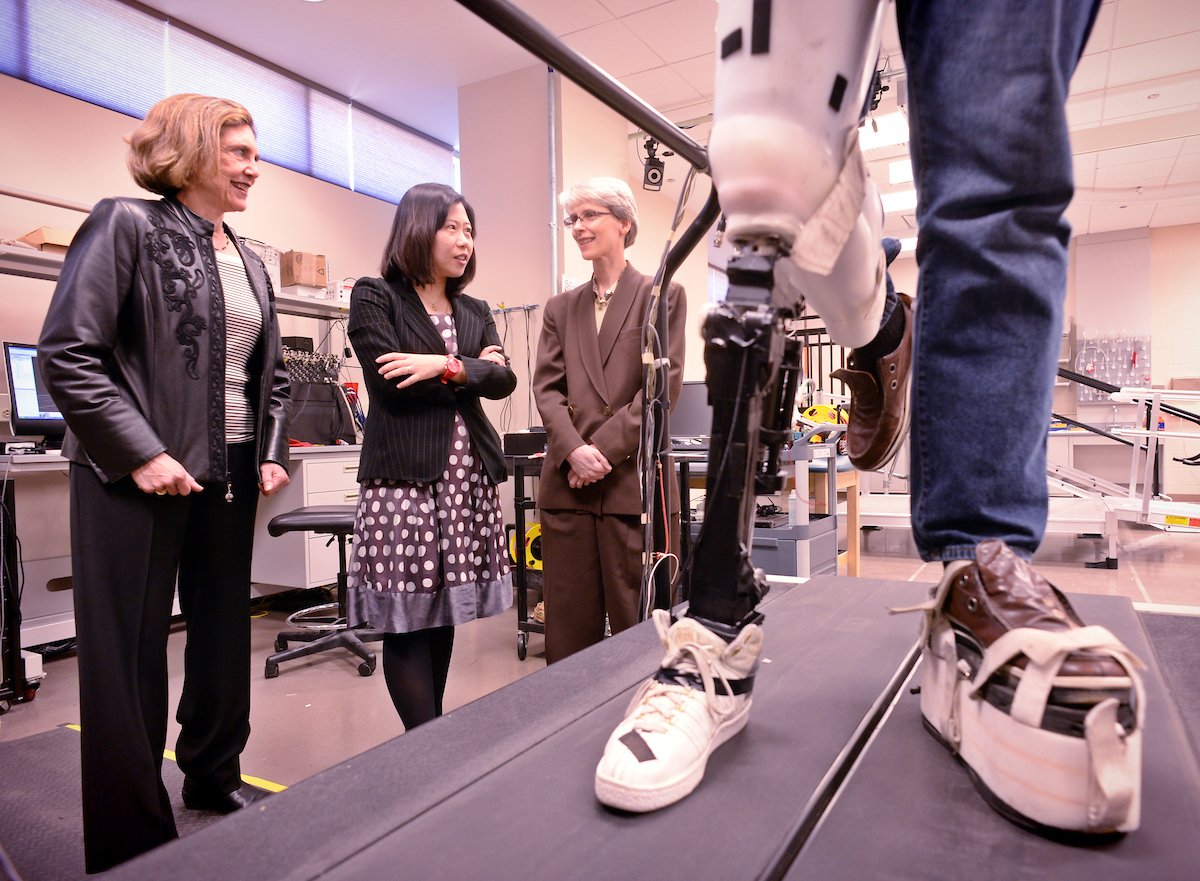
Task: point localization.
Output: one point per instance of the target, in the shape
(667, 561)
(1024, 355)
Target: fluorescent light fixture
(883, 131)
(908, 244)
(905, 200)
(900, 171)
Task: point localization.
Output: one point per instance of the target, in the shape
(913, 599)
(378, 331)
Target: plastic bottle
(793, 509)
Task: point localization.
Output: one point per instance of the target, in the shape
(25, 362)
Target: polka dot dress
(430, 554)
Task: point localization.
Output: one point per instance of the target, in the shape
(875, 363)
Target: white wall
(1175, 325)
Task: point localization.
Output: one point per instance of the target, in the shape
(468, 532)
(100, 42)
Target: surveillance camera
(653, 177)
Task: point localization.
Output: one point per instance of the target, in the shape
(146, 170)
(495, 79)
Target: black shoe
(198, 797)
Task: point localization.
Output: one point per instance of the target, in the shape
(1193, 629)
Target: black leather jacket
(133, 348)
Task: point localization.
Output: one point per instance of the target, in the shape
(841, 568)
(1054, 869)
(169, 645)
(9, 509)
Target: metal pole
(526, 32)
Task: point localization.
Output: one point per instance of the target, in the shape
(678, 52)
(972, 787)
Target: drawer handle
(347, 467)
(351, 496)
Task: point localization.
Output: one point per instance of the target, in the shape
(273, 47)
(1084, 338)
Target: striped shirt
(243, 326)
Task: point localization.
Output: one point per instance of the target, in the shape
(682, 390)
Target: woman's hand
(588, 465)
(495, 354)
(271, 478)
(413, 368)
(163, 476)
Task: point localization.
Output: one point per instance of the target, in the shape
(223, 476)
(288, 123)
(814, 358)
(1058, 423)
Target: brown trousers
(591, 567)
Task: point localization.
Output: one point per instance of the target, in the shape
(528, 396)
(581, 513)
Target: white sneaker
(699, 698)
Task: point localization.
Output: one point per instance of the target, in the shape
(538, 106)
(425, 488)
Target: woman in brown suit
(588, 388)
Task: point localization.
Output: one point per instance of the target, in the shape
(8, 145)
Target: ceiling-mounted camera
(655, 168)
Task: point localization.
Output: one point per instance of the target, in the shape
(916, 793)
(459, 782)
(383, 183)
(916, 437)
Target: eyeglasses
(586, 217)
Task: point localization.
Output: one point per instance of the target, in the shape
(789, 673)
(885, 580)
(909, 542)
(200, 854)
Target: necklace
(606, 295)
(431, 308)
(224, 244)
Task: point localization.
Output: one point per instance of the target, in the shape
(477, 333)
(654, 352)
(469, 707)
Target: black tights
(415, 666)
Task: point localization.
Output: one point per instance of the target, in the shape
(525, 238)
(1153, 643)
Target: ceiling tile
(614, 48)
(1078, 215)
(1156, 59)
(1085, 110)
(1091, 74)
(1100, 39)
(700, 72)
(1140, 21)
(1107, 218)
(1174, 94)
(1190, 145)
(1186, 170)
(1085, 171)
(625, 7)
(565, 18)
(1138, 153)
(1133, 174)
(677, 30)
(1176, 214)
(663, 88)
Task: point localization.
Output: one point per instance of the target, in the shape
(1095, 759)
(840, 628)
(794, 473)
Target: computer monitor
(31, 409)
(692, 416)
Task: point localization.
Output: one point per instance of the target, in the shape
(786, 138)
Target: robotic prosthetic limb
(701, 695)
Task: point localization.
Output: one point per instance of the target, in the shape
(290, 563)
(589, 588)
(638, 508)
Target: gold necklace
(431, 308)
(221, 247)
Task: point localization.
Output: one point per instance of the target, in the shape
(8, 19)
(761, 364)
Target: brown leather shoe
(1000, 592)
(879, 401)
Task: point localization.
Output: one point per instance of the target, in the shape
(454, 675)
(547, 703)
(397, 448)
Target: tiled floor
(320, 712)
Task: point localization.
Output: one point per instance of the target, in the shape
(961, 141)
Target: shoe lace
(658, 701)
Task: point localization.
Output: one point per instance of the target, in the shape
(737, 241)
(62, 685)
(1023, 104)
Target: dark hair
(409, 252)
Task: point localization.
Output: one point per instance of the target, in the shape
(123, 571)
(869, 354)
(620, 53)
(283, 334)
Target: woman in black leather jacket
(161, 348)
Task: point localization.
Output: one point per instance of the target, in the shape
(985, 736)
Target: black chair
(322, 627)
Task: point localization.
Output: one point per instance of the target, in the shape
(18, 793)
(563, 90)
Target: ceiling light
(885, 131)
(908, 244)
(900, 171)
(894, 203)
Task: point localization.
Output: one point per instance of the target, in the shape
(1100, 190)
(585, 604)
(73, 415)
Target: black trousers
(127, 549)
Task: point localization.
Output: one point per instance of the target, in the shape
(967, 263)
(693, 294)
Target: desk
(36, 489)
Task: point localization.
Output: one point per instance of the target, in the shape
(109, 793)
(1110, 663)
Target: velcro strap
(1111, 779)
(1046, 651)
(691, 680)
(825, 234)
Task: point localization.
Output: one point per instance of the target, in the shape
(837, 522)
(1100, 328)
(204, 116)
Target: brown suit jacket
(588, 388)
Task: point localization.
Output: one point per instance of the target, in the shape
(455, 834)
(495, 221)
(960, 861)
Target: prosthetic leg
(813, 235)
(1045, 712)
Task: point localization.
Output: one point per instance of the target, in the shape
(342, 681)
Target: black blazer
(409, 430)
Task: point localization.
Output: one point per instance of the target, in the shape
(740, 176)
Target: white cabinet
(319, 476)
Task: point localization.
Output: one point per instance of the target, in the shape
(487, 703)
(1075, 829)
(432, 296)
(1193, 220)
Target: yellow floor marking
(169, 755)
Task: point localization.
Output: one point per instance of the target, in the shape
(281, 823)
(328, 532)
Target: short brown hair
(179, 141)
(409, 252)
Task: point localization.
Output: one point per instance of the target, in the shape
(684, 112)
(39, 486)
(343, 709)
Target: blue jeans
(991, 160)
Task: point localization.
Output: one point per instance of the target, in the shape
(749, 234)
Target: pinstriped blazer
(409, 430)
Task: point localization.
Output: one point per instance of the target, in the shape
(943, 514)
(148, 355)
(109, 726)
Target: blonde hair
(614, 194)
(179, 141)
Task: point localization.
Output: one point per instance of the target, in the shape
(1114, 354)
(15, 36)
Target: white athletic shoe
(699, 698)
(1046, 713)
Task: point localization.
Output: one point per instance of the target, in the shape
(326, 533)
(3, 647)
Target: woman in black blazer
(429, 549)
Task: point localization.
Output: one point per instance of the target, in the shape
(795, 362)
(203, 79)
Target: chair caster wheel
(272, 671)
(522, 645)
(365, 669)
(280, 644)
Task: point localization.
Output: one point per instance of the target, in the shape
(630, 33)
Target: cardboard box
(270, 258)
(300, 267)
(48, 239)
